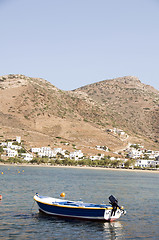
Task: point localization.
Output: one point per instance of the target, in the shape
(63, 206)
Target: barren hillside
(129, 104)
(44, 115)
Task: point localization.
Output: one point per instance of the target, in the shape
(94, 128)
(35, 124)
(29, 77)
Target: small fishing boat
(78, 209)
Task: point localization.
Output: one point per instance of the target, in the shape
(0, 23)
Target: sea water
(20, 218)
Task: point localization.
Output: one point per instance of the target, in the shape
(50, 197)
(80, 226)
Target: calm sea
(138, 192)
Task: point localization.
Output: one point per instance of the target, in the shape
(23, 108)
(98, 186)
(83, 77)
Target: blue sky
(72, 43)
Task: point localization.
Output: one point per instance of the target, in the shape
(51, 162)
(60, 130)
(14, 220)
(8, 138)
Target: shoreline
(79, 167)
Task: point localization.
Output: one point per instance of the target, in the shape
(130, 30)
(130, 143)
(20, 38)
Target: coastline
(79, 167)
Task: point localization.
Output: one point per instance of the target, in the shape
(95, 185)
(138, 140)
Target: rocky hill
(130, 104)
(45, 115)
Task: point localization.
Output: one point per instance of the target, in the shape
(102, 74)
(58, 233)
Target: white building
(3, 144)
(152, 154)
(97, 157)
(135, 153)
(35, 150)
(43, 149)
(27, 156)
(11, 153)
(155, 163)
(143, 163)
(118, 131)
(76, 154)
(57, 150)
(18, 139)
(16, 147)
(49, 154)
(9, 144)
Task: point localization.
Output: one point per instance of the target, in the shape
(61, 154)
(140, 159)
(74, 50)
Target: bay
(20, 219)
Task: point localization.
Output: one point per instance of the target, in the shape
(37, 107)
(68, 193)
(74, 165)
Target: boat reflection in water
(83, 229)
(114, 229)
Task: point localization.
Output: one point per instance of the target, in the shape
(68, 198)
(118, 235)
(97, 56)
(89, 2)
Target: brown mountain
(130, 104)
(44, 115)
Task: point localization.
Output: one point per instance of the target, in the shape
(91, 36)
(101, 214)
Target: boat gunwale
(80, 207)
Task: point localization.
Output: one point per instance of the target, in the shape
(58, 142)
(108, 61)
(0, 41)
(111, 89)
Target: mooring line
(32, 206)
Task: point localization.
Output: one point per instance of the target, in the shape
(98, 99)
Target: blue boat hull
(72, 212)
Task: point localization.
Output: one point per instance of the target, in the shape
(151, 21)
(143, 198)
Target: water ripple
(20, 219)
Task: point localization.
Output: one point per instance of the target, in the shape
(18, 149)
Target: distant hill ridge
(127, 81)
(40, 112)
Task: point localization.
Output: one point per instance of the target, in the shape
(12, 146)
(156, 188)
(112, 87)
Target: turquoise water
(20, 219)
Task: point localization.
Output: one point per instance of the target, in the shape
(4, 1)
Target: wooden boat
(78, 209)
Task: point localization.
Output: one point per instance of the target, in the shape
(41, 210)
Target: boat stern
(115, 211)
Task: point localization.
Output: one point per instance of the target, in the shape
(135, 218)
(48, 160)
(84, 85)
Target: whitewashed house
(120, 132)
(9, 144)
(35, 150)
(45, 149)
(152, 154)
(49, 154)
(57, 150)
(76, 154)
(97, 157)
(27, 156)
(66, 155)
(16, 147)
(135, 153)
(157, 153)
(18, 139)
(11, 153)
(46, 152)
(155, 163)
(3, 144)
(143, 163)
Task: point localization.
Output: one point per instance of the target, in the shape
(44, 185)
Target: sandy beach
(80, 167)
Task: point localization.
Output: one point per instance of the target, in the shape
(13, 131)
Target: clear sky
(72, 43)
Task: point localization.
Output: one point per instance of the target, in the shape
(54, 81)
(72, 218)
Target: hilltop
(45, 115)
(129, 104)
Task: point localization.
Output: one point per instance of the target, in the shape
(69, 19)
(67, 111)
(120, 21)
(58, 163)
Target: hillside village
(135, 154)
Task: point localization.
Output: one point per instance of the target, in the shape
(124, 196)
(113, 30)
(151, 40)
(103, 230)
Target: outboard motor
(114, 203)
